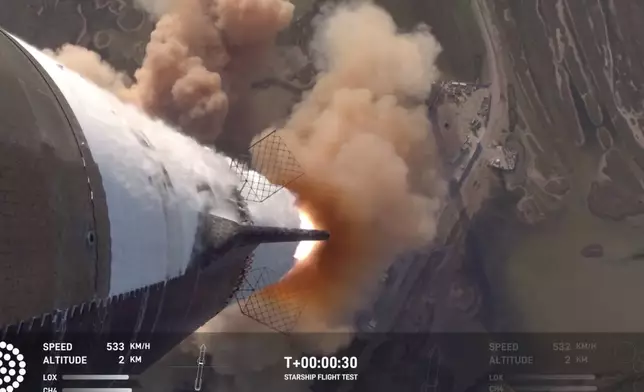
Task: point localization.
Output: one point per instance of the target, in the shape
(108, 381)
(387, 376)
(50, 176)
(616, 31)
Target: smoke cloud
(198, 60)
(92, 67)
(354, 135)
(154, 8)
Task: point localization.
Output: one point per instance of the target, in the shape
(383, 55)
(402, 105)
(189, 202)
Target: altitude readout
(57, 348)
(127, 351)
(508, 354)
(574, 352)
(522, 353)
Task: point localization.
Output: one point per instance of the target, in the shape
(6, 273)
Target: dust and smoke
(199, 59)
(92, 67)
(154, 8)
(356, 134)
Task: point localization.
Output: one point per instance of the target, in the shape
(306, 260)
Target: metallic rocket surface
(107, 214)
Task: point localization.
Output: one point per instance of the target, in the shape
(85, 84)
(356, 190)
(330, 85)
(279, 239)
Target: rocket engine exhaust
(142, 191)
(358, 136)
(304, 248)
(355, 135)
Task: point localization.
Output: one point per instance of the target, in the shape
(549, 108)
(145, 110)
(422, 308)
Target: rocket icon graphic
(200, 364)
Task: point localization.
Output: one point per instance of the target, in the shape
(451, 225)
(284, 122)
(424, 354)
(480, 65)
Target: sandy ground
(567, 88)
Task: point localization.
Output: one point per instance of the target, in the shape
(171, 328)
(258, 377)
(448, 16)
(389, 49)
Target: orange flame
(305, 248)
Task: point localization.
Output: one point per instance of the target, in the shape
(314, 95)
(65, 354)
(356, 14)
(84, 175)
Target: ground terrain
(575, 107)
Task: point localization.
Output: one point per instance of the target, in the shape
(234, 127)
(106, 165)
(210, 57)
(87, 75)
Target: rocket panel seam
(101, 222)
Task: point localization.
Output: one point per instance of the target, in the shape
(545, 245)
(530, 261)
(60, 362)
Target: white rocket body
(151, 174)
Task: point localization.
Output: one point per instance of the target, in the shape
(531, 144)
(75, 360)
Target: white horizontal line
(554, 377)
(113, 377)
(554, 388)
(97, 389)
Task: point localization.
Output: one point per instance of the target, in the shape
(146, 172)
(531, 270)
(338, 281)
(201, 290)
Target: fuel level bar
(555, 388)
(554, 377)
(96, 377)
(97, 389)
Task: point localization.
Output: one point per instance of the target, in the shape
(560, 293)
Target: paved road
(496, 74)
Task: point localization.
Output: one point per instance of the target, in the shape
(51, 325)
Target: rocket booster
(98, 200)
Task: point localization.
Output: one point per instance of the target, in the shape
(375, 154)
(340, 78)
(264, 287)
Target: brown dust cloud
(198, 60)
(356, 134)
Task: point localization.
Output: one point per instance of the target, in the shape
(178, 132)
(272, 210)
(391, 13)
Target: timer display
(322, 363)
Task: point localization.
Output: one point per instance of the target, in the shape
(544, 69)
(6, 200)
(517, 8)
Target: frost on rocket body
(356, 135)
